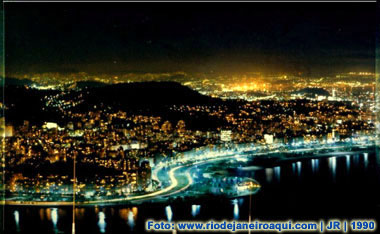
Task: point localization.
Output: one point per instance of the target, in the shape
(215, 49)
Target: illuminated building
(225, 135)
(268, 138)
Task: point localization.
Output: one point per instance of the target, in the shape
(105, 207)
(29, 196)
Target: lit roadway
(179, 176)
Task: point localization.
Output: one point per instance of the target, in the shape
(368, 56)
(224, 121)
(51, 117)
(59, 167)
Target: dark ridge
(27, 104)
(9, 81)
(312, 92)
(89, 84)
(153, 98)
(145, 94)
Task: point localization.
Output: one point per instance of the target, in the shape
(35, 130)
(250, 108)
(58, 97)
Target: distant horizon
(19, 75)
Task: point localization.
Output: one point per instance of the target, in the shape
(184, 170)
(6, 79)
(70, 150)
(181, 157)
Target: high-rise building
(268, 138)
(225, 135)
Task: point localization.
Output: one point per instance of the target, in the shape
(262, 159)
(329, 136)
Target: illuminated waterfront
(355, 175)
(174, 176)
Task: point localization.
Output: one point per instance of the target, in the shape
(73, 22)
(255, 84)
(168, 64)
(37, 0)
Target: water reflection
(365, 160)
(314, 165)
(236, 208)
(277, 173)
(348, 163)
(296, 166)
(129, 215)
(54, 216)
(332, 165)
(17, 220)
(169, 213)
(131, 220)
(79, 213)
(42, 214)
(269, 174)
(102, 222)
(356, 160)
(299, 166)
(195, 209)
(48, 214)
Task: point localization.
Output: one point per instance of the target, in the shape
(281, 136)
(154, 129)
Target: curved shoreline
(176, 176)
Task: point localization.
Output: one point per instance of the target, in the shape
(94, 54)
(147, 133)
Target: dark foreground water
(344, 187)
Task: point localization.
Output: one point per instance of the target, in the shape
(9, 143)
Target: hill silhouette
(89, 84)
(9, 81)
(152, 94)
(312, 92)
(152, 98)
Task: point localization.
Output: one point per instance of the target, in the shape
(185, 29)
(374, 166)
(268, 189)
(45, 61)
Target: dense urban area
(117, 130)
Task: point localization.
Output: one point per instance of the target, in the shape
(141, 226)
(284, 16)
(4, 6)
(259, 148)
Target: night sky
(313, 38)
